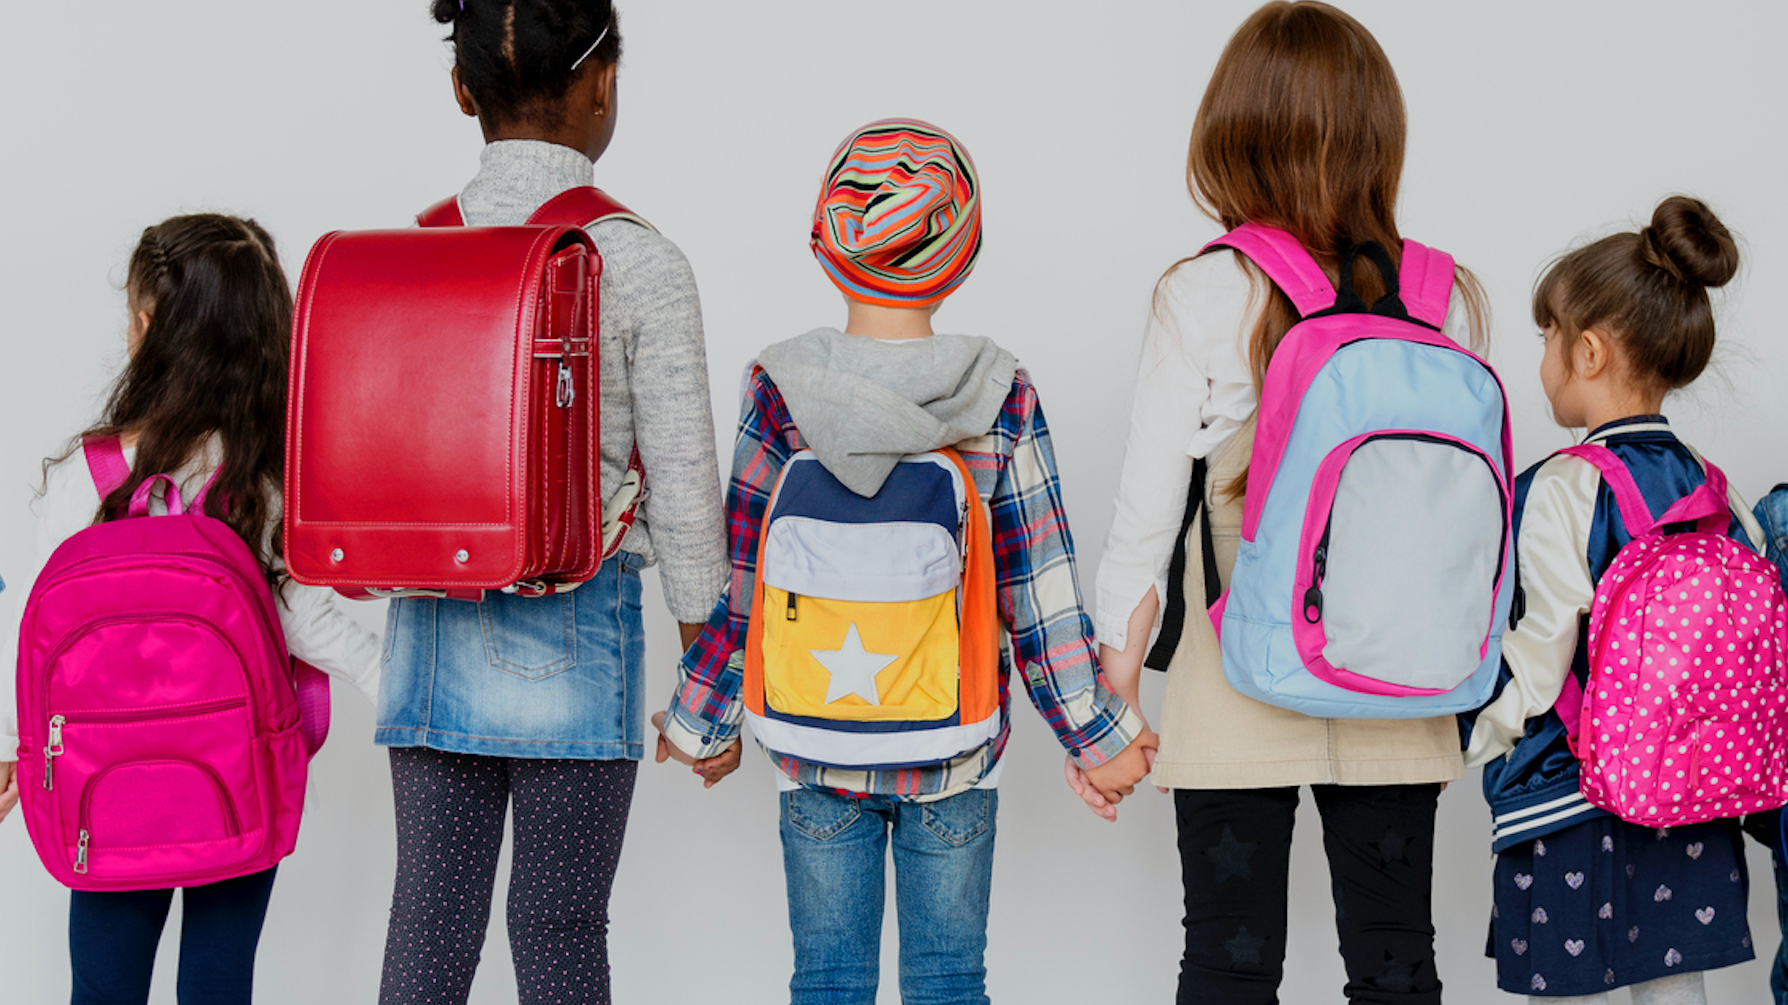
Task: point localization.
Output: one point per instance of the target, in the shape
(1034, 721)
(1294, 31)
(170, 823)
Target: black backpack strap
(1173, 619)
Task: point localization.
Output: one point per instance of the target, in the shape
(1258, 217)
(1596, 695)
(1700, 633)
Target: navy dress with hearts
(1583, 901)
(1606, 903)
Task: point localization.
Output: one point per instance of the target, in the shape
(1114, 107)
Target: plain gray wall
(1532, 126)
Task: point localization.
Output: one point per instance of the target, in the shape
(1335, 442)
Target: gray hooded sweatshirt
(863, 403)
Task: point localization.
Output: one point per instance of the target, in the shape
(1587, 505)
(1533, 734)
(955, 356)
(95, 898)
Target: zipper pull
(567, 389)
(51, 751)
(1322, 562)
(793, 601)
(81, 853)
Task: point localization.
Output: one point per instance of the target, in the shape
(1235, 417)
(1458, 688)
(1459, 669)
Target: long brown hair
(211, 363)
(1302, 128)
(1648, 290)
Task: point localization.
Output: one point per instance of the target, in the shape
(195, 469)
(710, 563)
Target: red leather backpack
(442, 424)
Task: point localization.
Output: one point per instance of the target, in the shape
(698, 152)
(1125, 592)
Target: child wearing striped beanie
(884, 704)
(899, 217)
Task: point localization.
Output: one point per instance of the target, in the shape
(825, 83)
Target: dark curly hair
(211, 363)
(516, 56)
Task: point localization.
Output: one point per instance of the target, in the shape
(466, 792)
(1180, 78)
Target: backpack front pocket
(1403, 550)
(857, 661)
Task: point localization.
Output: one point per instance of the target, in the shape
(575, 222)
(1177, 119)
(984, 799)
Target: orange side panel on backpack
(979, 690)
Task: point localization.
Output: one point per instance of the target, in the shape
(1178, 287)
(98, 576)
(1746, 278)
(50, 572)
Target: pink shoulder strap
(1286, 263)
(312, 691)
(1425, 279)
(1707, 506)
(105, 462)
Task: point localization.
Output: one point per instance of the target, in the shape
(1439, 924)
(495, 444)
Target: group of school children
(531, 704)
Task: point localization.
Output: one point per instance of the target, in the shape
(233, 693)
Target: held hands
(712, 769)
(9, 787)
(1103, 787)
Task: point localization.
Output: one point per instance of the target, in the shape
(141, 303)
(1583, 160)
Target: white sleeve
(68, 505)
(321, 634)
(1555, 579)
(1193, 391)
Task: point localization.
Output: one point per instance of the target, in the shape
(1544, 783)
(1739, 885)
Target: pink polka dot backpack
(1685, 714)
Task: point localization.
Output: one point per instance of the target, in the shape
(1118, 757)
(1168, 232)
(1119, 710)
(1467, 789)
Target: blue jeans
(545, 677)
(112, 939)
(834, 851)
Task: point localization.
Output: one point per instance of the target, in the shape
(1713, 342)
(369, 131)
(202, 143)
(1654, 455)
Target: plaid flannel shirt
(1049, 632)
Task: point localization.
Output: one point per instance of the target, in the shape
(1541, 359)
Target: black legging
(1235, 856)
(570, 817)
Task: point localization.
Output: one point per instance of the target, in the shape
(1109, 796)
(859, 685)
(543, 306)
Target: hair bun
(1688, 241)
(448, 11)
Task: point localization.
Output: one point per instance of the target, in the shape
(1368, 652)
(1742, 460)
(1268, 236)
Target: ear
(1592, 355)
(605, 91)
(463, 95)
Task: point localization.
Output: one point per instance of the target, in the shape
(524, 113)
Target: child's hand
(1076, 779)
(712, 769)
(1117, 777)
(9, 787)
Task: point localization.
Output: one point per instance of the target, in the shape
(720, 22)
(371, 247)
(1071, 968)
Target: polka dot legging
(570, 817)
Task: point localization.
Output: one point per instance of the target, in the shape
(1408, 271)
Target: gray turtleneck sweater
(654, 370)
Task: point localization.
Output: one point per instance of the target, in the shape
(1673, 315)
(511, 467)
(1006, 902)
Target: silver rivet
(462, 555)
(337, 555)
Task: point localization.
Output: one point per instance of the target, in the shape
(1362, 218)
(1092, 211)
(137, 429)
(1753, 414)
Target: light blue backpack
(1376, 567)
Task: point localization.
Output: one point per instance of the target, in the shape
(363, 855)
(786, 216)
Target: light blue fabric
(834, 852)
(559, 676)
(1368, 386)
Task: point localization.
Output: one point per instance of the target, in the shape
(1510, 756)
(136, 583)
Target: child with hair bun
(1584, 901)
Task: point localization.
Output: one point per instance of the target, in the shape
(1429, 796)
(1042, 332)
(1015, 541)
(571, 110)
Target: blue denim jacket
(548, 677)
(1771, 512)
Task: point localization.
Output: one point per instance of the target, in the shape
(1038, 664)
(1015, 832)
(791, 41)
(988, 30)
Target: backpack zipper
(56, 748)
(794, 600)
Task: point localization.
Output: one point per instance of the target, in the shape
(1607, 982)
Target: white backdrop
(1532, 125)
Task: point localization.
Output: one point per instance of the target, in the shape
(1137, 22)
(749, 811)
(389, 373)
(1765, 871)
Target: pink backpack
(1688, 635)
(161, 740)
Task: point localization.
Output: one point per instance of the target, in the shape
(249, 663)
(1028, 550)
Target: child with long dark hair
(203, 397)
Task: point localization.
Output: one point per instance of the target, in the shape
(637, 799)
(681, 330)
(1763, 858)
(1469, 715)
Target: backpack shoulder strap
(584, 206)
(1425, 281)
(1173, 615)
(1706, 506)
(442, 214)
(105, 462)
(1285, 262)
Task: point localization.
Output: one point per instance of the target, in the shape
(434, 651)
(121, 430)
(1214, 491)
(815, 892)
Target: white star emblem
(853, 668)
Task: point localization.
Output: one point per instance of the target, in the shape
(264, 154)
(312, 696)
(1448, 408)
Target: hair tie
(587, 52)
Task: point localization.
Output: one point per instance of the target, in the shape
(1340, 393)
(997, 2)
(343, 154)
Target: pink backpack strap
(1569, 707)
(105, 462)
(1285, 262)
(1706, 506)
(442, 214)
(312, 689)
(1425, 277)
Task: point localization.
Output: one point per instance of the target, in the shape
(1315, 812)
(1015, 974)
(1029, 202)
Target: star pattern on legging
(1245, 948)
(1395, 976)
(1231, 857)
(1393, 847)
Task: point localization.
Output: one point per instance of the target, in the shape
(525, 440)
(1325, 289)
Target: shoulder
(70, 500)
(629, 250)
(1215, 280)
(1560, 488)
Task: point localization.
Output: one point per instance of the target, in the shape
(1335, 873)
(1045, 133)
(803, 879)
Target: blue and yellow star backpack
(874, 635)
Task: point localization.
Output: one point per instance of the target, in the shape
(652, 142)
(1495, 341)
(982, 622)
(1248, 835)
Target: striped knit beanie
(899, 217)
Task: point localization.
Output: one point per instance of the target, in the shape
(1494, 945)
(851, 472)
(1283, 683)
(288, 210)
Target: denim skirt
(544, 677)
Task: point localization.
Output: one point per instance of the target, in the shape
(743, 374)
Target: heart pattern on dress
(1736, 876)
(1523, 880)
(1539, 848)
(1519, 946)
(1574, 880)
(1672, 958)
(1607, 911)
(1574, 947)
(1607, 843)
(1631, 869)
(1633, 934)
(1539, 983)
(1705, 915)
(1539, 916)
(1695, 850)
(1662, 894)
